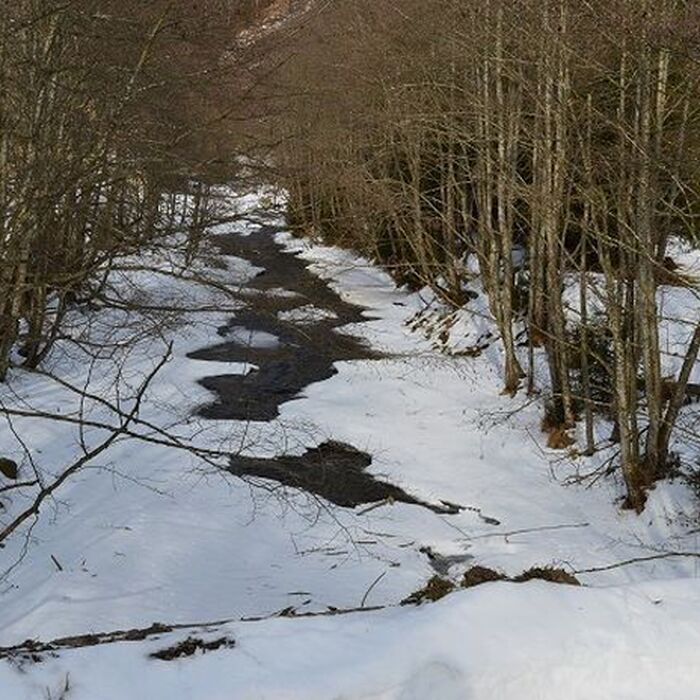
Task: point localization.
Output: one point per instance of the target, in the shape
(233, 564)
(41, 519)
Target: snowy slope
(496, 642)
(151, 533)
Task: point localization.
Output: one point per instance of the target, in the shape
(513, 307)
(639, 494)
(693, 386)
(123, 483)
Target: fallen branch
(47, 491)
(33, 648)
(527, 530)
(372, 585)
(637, 560)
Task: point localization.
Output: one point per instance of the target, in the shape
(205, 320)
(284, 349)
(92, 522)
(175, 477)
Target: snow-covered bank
(440, 425)
(502, 641)
(152, 533)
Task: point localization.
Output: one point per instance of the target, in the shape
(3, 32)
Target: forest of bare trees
(556, 143)
(368, 324)
(108, 110)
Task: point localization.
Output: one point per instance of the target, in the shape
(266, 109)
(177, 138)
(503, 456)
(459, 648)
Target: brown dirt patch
(436, 588)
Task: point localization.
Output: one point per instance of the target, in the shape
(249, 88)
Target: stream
(291, 350)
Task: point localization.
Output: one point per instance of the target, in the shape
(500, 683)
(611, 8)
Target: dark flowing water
(305, 353)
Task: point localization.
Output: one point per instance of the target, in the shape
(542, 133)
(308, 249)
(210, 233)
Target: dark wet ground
(304, 354)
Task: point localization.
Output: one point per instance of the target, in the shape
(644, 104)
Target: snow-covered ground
(496, 642)
(151, 533)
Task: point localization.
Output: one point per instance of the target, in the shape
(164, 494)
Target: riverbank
(151, 532)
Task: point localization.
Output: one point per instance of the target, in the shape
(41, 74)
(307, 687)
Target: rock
(8, 468)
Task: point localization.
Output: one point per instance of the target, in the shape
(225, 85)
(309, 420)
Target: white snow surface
(149, 532)
(306, 314)
(497, 642)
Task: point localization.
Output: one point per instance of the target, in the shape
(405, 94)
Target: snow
(496, 642)
(451, 434)
(305, 314)
(150, 532)
(251, 338)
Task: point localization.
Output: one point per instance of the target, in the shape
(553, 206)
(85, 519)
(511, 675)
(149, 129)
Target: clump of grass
(481, 574)
(436, 588)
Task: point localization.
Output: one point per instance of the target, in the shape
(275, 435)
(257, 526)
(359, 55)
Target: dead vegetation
(438, 587)
(192, 646)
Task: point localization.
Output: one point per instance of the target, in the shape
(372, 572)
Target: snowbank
(500, 641)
